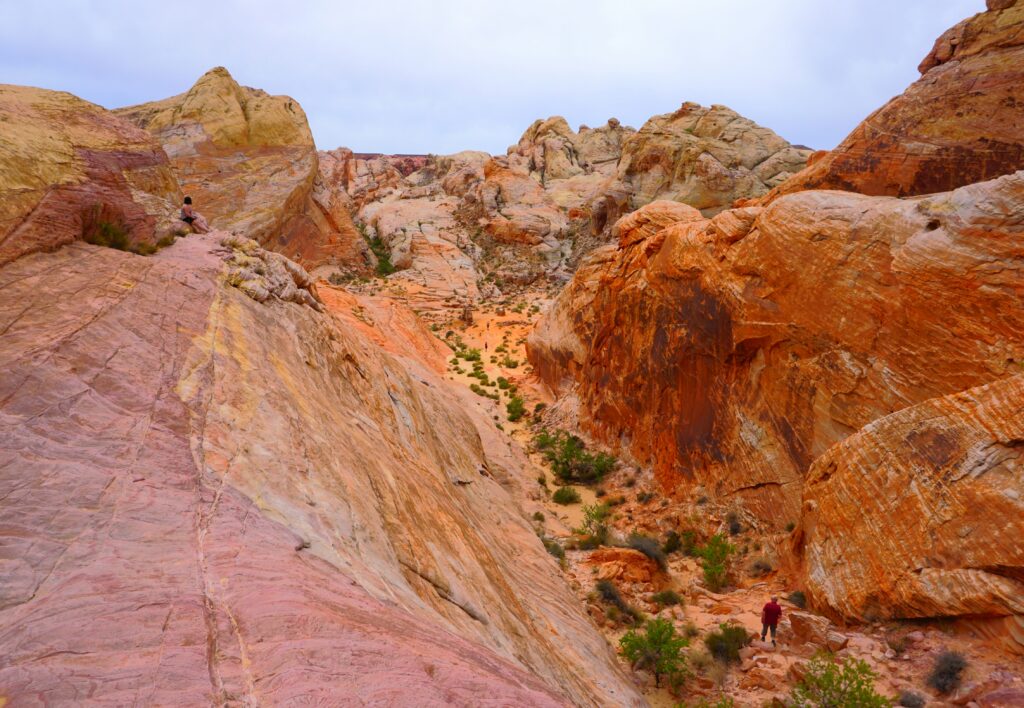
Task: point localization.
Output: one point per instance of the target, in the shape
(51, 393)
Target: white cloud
(452, 74)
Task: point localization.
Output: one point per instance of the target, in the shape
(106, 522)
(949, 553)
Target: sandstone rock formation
(70, 167)
(366, 178)
(961, 122)
(554, 151)
(772, 334)
(255, 449)
(249, 162)
(920, 513)
(705, 157)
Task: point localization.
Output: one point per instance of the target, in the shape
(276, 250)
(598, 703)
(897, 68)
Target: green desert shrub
(658, 649)
(725, 643)
(826, 683)
(554, 548)
(667, 598)
(947, 672)
(565, 495)
(714, 556)
(569, 458)
(515, 409)
(595, 522)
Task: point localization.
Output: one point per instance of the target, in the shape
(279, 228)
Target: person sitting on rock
(193, 218)
(770, 615)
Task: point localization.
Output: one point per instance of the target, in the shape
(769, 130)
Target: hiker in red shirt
(770, 615)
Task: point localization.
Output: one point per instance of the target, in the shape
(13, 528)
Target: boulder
(938, 494)
(809, 629)
(623, 565)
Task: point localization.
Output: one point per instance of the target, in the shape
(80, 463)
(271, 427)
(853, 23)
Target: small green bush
(667, 598)
(790, 526)
(851, 683)
(565, 495)
(644, 497)
(595, 522)
(715, 554)
(947, 672)
(569, 458)
(108, 234)
(735, 527)
(538, 516)
(725, 643)
(515, 409)
(658, 650)
(554, 548)
(379, 249)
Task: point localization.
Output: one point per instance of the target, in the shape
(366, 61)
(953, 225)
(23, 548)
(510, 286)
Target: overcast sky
(446, 75)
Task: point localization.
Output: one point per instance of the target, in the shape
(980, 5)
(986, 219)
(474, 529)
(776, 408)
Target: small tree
(658, 649)
(595, 522)
(714, 555)
(830, 685)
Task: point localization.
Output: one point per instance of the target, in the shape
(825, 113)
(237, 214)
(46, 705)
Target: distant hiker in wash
(770, 615)
(193, 218)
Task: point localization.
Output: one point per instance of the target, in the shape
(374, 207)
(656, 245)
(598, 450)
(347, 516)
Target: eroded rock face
(248, 161)
(705, 157)
(67, 166)
(920, 513)
(961, 122)
(770, 335)
(554, 151)
(326, 519)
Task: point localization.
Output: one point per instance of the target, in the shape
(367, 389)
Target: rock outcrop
(553, 151)
(705, 157)
(312, 501)
(920, 513)
(248, 160)
(961, 122)
(771, 334)
(69, 168)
